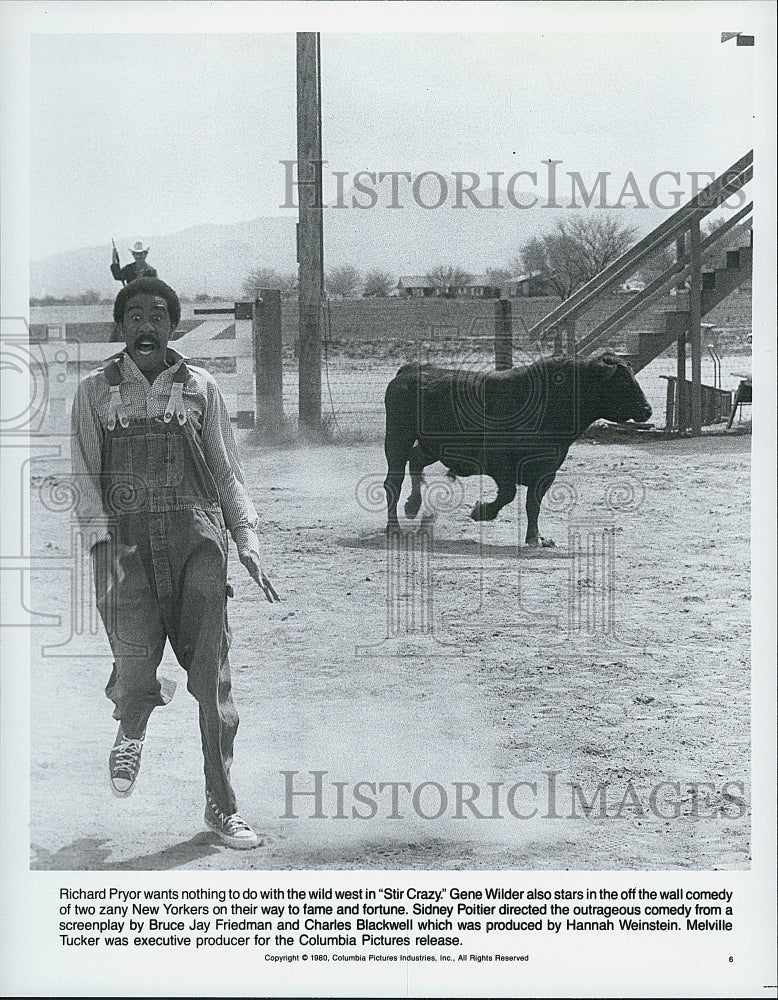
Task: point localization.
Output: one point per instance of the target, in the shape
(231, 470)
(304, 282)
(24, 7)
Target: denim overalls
(166, 575)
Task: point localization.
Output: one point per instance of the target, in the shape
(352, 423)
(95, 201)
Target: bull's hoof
(412, 507)
(537, 543)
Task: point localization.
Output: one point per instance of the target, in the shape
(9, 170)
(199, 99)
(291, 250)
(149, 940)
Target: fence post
(681, 407)
(695, 328)
(670, 403)
(245, 405)
(268, 361)
(503, 335)
(570, 344)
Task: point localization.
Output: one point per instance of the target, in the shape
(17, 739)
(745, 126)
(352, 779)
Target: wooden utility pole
(310, 229)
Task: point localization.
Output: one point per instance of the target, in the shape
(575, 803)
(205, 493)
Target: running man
(160, 483)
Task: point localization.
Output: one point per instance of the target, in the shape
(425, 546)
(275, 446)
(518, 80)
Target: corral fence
(59, 355)
(365, 342)
(251, 349)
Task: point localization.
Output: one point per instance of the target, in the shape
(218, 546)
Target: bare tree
(516, 265)
(577, 249)
(445, 277)
(378, 283)
(655, 265)
(500, 277)
(343, 281)
(269, 277)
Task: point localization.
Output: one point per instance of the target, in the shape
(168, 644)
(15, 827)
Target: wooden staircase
(684, 312)
(716, 286)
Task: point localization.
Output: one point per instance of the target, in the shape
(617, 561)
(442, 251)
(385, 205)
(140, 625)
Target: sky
(150, 133)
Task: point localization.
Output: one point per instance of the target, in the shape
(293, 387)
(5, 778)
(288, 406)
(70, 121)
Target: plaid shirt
(208, 414)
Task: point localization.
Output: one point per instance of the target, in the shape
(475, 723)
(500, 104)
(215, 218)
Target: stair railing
(676, 272)
(672, 230)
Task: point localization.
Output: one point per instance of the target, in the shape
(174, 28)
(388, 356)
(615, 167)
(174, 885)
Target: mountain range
(216, 259)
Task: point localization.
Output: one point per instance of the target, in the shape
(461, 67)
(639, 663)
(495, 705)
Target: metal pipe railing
(730, 181)
(652, 291)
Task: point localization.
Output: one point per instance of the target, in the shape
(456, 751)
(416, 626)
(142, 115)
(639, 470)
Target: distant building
(416, 286)
(420, 286)
(478, 287)
(534, 284)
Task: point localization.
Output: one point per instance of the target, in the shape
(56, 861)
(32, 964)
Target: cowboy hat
(138, 247)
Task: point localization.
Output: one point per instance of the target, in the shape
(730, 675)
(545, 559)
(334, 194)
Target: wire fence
(353, 387)
(365, 342)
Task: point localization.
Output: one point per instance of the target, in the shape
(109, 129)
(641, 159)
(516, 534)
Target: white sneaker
(233, 830)
(124, 763)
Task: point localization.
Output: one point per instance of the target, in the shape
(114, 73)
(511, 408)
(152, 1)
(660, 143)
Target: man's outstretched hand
(250, 560)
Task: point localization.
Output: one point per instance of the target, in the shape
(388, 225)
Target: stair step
(640, 348)
(677, 323)
(746, 255)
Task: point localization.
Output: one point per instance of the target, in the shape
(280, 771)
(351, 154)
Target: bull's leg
(416, 465)
(535, 493)
(396, 459)
(506, 491)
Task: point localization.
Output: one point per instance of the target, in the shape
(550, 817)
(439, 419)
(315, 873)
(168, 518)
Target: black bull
(515, 426)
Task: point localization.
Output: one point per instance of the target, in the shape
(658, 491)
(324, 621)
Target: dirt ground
(616, 669)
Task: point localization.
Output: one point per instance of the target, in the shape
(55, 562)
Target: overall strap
(116, 410)
(176, 401)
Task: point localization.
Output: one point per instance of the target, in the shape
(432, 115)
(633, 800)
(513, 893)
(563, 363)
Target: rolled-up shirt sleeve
(86, 463)
(221, 453)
